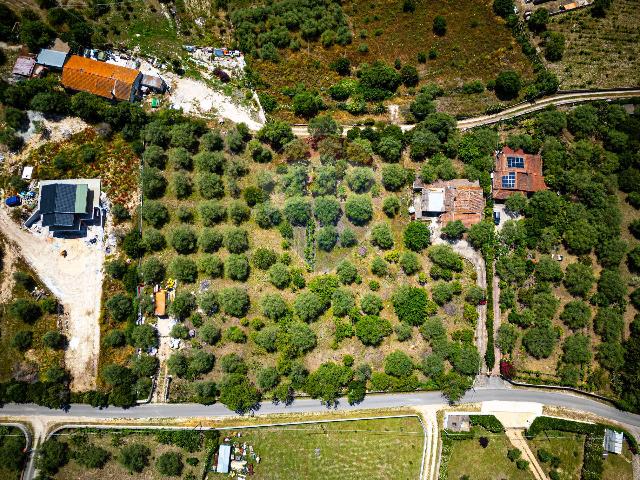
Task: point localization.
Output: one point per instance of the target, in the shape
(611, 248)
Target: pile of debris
(236, 458)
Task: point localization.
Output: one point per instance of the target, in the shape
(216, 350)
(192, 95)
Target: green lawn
(568, 447)
(491, 463)
(366, 449)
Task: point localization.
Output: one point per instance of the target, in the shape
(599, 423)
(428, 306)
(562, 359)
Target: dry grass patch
(599, 53)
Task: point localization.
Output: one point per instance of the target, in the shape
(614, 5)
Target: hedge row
(488, 422)
(489, 356)
(540, 424)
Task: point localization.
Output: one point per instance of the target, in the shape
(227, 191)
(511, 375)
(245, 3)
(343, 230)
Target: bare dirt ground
(497, 319)
(57, 131)
(8, 269)
(164, 352)
(194, 96)
(77, 283)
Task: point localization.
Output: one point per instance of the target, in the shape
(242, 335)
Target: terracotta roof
(99, 78)
(528, 178)
(464, 201)
(161, 303)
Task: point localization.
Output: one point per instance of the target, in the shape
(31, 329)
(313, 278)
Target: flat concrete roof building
(458, 423)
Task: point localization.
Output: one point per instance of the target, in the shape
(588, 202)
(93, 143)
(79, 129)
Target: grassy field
(367, 449)
(13, 363)
(600, 53)
(477, 46)
(491, 463)
(619, 467)
(357, 449)
(568, 447)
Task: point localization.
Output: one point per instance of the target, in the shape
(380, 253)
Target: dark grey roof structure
(68, 205)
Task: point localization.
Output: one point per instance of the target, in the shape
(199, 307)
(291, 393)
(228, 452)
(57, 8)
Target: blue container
(13, 201)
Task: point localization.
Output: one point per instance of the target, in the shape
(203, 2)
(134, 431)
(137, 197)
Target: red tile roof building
(104, 79)
(517, 171)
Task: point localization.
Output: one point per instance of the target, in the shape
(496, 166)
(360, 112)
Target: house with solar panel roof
(517, 171)
(68, 206)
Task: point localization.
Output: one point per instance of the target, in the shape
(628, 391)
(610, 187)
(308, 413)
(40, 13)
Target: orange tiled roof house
(104, 79)
(449, 201)
(517, 171)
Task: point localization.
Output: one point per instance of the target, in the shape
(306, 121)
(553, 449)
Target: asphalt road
(373, 401)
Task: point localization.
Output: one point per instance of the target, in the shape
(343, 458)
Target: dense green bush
(279, 275)
(183, 269)
(347, 272)
(382, 236)
(379, 267)
(308, 306)
(358, 209)
(134, 457)
(236, 240)
(398, 364)
(298, 211)
(234, 301)
(327, 210)
(488, 422)
(327, 237)
(371, 304)
(412, 305)
(211, 265)
(237, 267)
(410, 263)
(372, 329)
(183, 240)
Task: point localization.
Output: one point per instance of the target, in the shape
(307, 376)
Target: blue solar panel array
(515, 162)
(509, 181)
